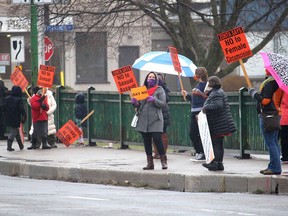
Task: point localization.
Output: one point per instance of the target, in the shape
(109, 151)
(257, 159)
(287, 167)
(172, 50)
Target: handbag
(271, 121)
(134, 120)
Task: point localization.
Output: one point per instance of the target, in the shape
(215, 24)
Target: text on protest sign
(18, 78)
(124, 79)
(46, 76)
(175, 59)
(205, 137)
(139, 93)
(69, 133)
(234, 44)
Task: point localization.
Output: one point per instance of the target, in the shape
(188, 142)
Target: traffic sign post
(48, 48)
(17, 49)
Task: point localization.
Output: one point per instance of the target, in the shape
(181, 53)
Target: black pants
(218, 148)
(284, 141)
(194, 133)
(147, 138)
(2, 121)
(40, 131)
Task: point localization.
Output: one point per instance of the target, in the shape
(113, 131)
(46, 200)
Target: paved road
(124, 167)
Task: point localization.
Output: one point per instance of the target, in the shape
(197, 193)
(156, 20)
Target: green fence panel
(113, 114)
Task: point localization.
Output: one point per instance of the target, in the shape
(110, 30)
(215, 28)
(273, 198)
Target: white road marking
(87, 198)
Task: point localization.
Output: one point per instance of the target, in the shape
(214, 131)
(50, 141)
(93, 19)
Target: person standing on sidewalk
(15, 114)
(220, 121)
(39, 107)
(150, 123)
(197, 99)
(284, 127)
(80, 111)
(51, 124)
(166, 117)
(3, 91)
(265, 103)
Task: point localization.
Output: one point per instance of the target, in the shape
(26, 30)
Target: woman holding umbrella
(265, 103)
(150, 122)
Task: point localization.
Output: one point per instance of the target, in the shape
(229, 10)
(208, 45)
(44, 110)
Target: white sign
(21, 1)
(17, 49)
(14, 24)
(205, 137)
(43, 1)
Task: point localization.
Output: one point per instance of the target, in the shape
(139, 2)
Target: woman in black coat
(219, 119)
(15, 113)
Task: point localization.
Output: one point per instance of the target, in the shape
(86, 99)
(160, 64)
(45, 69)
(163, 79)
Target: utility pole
(34, 44)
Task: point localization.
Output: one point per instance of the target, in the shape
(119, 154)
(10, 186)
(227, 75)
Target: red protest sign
(175, 59)
(124, 79)
(18, 78)
(46, 76)
(68, 133)
(234, 44)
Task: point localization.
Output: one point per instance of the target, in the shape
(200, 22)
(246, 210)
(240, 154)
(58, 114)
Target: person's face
(151, 76)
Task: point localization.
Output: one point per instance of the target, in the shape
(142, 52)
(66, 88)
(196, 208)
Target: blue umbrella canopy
(161, 62)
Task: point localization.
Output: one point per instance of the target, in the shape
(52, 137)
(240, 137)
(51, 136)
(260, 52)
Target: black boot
(33, 144)
(163, 159)
(213, 166)
(51, 140)
(9, 145)
(150, 163)
(21, 146)
(44, 143)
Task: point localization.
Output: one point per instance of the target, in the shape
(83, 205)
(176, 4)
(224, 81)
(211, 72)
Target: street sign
(43, 1)
(17, 49)
(48, 48)
(59, 28)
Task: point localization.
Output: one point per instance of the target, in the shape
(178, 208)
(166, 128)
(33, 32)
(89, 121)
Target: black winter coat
(218, 113)
(14, 109)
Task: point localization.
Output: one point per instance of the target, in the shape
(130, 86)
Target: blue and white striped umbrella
(161, 62)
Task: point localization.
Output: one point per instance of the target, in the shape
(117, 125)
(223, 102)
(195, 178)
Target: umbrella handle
(181, 86)
(245, 74)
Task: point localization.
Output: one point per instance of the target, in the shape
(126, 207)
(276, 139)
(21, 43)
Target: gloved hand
(42, 99)
(43, 106)
(252, 92)
(134, 101)
(150, 99)
(204, 110)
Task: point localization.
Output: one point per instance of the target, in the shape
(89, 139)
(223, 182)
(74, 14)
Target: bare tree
(192, 25)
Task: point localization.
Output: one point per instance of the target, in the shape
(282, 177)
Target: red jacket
(284, 109)
(38, 113)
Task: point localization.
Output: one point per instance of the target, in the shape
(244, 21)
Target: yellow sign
(139, 93)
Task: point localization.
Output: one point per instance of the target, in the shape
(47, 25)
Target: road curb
(163, 181)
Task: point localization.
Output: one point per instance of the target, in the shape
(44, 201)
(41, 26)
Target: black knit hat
(35, 89)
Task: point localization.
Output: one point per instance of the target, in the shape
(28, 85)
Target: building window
(91, 57)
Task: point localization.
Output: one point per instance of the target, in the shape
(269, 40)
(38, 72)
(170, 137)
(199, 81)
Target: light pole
(34, 44)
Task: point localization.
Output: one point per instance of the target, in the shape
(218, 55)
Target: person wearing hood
(39, 108)
(15, 114)
(166, 117)
(150, 122)
(220, 121)
(80, 111)
(3, 91)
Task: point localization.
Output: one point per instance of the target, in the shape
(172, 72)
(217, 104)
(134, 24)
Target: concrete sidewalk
(124, 167)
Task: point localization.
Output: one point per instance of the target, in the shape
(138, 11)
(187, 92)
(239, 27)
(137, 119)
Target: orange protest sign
(175, 59)
(139, 93)
(46, 76)
(18, 78)
(68, 133)
(234, 44)
(124, 79)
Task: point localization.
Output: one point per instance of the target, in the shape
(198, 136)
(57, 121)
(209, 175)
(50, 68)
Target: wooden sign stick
(181, 85)
(245, 74)
(86, 117)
